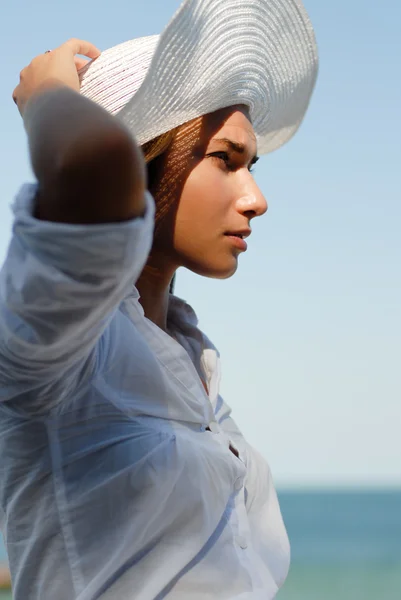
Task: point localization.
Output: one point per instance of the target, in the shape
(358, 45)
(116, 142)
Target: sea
(346, 545)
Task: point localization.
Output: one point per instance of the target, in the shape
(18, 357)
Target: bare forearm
(88, 167)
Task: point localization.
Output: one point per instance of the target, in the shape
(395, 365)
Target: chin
(223, 270)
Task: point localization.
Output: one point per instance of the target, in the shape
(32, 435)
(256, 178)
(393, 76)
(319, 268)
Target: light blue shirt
(111, 484)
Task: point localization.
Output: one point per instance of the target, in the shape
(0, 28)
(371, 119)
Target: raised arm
(81, 236)
(88, 167)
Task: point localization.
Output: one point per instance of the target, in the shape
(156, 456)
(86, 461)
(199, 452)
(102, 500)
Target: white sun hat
(213, 54)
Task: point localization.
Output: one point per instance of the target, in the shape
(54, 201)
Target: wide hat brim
(213, 54)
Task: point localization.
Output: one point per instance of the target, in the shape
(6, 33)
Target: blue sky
(310, 327)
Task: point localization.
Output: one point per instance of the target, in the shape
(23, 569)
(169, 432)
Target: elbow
(100, 179)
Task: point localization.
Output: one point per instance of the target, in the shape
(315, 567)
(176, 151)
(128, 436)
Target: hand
(56, 68)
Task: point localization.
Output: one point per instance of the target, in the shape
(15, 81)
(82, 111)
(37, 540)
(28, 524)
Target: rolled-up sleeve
(59, 287)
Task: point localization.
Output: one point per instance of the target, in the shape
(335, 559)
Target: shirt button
(241, 541)
(239, 484)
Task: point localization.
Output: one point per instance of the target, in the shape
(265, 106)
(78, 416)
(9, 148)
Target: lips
(237, 238)
(239, 234)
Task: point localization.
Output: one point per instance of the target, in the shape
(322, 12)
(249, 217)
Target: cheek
(205, 197)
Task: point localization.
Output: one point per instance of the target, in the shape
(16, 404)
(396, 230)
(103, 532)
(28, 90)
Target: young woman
(123, 475)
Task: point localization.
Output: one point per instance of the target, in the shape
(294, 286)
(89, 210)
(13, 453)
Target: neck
(154, 288)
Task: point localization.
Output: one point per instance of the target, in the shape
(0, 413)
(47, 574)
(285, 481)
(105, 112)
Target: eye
(224, 157)
(251, 167)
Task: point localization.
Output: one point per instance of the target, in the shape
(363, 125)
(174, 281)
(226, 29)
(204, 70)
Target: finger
(81, 47)
(80, 63)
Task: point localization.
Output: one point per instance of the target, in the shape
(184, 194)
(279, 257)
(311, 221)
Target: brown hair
(167, 170)
(154, 153)
(157, 146)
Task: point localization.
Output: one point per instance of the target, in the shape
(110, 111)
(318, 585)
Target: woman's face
(214, 197)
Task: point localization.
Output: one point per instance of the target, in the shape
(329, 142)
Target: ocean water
(345, 545)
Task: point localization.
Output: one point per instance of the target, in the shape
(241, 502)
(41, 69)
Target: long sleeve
(59, 287)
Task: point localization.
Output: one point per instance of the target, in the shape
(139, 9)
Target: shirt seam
(175, 376)
(148, 333)
(60, 499)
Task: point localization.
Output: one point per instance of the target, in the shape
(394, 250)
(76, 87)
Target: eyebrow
(235, 147)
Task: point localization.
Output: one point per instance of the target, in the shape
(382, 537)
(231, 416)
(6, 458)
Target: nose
(251, 201)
